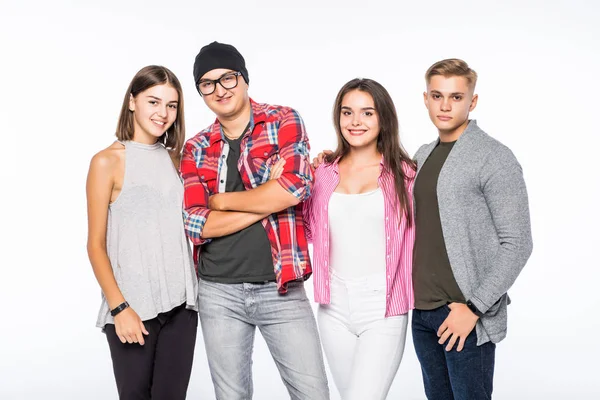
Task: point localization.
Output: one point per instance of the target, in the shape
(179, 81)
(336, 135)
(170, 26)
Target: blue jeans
(229, 315)
(452, 375)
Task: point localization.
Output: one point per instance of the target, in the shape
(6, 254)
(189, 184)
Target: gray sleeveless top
(146, 244)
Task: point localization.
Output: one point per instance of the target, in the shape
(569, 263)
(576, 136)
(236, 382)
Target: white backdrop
(65, 67)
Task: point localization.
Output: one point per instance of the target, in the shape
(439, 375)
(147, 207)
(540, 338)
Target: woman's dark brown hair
(388, 141)
(146, 78)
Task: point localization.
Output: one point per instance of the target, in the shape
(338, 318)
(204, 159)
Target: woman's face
(154, 111)
(359, 120)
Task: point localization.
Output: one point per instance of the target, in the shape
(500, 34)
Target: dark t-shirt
(433, 280)
(244, 256)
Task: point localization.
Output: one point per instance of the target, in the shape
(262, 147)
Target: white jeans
(363, 348)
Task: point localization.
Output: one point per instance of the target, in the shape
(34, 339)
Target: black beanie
(218, 55)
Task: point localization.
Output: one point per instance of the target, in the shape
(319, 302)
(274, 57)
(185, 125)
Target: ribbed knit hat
(218, 55)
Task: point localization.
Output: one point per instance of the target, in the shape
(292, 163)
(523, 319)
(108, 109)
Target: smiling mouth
(356, 132)
(159, 123)
(223, 99)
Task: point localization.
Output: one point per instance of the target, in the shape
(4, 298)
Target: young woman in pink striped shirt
(359, 219)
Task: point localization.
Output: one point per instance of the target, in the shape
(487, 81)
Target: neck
(143, 138)
(234, 125)
(454, 134)
(363, 155)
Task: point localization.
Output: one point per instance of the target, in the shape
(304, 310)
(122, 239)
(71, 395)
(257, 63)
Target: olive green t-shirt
(433, 280)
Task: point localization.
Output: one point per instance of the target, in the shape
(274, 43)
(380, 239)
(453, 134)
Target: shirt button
(265, 154)
(201, 176)
(223, 156)
(222, 181)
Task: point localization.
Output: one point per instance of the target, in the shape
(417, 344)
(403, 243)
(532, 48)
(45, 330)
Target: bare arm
(99, 187)
(222, 223)
(268, 198)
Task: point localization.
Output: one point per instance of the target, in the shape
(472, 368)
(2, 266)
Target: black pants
(161, 368)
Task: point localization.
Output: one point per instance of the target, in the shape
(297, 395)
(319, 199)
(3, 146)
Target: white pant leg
(380, 341)
(339, 342)
(377, 358)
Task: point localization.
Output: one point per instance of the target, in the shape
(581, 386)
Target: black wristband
(474, 309)
(119, 308)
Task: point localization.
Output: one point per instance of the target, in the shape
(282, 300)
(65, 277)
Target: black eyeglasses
(228, 81)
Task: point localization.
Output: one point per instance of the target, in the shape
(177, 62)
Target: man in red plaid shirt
(244, 178)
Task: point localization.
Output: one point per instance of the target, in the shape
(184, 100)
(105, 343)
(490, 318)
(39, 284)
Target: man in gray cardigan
(473, 237)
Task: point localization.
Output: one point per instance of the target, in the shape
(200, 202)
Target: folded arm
(292, 187)
(201, 223)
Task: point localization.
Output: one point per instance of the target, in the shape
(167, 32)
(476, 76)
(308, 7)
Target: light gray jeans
(229, 315)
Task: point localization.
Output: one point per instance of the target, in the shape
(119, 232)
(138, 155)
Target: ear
(473, 102)
(425, 100)
(131, 103)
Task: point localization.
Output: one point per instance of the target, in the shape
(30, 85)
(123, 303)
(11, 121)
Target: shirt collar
(258, 116)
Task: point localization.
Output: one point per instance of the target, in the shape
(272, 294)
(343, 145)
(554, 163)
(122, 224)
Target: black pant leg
(133, 364)
(174, 355)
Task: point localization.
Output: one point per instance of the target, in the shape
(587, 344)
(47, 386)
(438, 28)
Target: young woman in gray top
(137, 245)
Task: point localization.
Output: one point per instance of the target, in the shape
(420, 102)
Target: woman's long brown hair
(388, 141)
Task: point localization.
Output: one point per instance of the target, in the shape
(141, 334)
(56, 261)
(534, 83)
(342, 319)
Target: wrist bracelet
(119, 308)
(474, 309)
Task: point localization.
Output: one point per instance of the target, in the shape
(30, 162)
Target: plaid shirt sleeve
(306, 218)
(297, 177)
(195, 199)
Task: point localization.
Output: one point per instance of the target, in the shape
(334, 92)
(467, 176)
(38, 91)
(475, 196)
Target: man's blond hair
(452, 67)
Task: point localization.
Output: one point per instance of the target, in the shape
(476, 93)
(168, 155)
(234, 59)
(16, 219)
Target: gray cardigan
(485, 222)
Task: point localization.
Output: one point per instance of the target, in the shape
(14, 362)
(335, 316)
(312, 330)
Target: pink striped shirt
(399, 236)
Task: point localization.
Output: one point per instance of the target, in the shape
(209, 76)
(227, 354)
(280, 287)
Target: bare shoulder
(109, 158)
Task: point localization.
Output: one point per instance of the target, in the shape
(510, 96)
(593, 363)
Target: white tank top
(357, 234)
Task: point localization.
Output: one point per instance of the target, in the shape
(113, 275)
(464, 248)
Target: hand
(215, 203)
(318, 160)
(457, 326)
(129, 327)
(277, 169)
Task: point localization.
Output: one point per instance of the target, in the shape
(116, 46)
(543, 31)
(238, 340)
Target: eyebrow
(159, 99)
(451, 94)
(364, 108)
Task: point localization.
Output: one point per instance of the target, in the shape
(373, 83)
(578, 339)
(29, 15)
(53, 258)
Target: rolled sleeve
(297, 176)
(195, 199)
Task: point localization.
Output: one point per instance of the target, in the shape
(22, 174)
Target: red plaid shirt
(275, 132)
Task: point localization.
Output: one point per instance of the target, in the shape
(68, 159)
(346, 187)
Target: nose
(356, 120)
(220, 90)
(446, 106)
(162, 111)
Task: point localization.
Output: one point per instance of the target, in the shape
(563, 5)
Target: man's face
(449, 101)
(225, 103)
